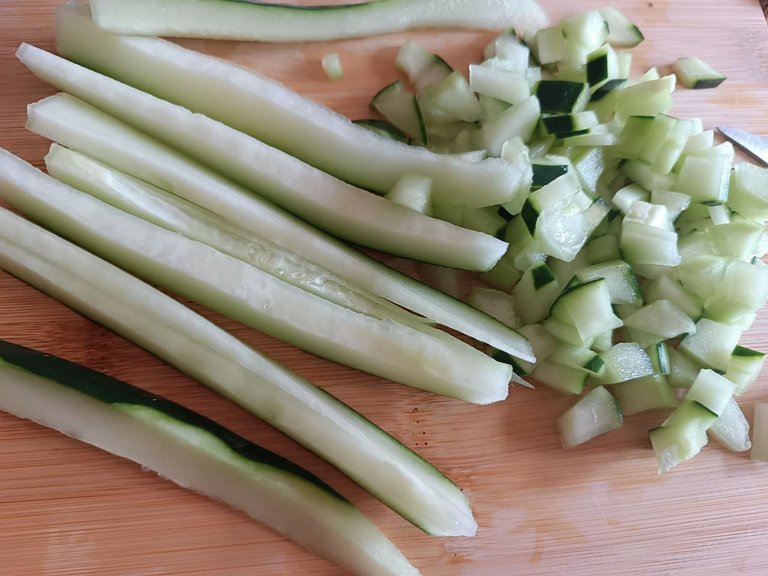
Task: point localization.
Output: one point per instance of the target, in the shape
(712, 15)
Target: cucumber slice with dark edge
(562, 125)
(401, 108)
(602, 90)
(383, 129)
(621, 30)
(682, 435)
(196, 453)
(695, 73)
(422, 67)
(545, 171)
(601, 65)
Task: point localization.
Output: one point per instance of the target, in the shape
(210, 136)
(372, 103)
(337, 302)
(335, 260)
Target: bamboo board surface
(67, 508)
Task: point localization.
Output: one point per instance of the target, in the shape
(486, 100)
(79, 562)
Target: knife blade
(754, 145)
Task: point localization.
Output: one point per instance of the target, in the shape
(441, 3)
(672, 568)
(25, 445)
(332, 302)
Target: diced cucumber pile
(635, 258)
(634, 244)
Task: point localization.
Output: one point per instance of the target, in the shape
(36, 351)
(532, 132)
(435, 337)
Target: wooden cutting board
(67, 508)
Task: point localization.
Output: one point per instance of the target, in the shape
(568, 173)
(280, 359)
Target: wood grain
(69, 509)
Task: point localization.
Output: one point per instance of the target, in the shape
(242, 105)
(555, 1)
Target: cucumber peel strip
(215, 358)
(240, 20)
(195, 453)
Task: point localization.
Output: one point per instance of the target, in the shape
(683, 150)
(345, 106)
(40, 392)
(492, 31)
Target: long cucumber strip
(335, 206)
(427, 359)
(276, 114)
(287, 23)
(196, 453)
(178, 215)
(79, 126)
(386, 468)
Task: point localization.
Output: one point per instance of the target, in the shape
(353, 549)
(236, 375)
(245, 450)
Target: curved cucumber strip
(345, 211)
(276, 114)
(284, 23)
(386, 468)
(81, 127)
(196, 453)
(426, 359)
(163, 209)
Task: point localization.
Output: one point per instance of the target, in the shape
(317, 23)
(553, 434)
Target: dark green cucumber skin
(746, 352)
(576, 285)
(574, 133)
(543, 174)
(541, 276)
(297, 8)
(501, 356)
(504, 213)
(703, 84)
(392, 86)
(558, 124)
(605, 89)
(595, 365)
(382, 128)
(597, 69)
(530, 215)
(113, 391)
(558, 96)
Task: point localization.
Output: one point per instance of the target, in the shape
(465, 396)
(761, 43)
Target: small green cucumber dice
(595, 414)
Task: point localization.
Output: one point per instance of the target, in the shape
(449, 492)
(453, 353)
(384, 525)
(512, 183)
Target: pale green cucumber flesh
(269, 111)
(168, 211)
(731, 429)
(326, 202)
(109, 390)
(188, 341)
(196, 453)
(595, 414)
(430, 361)
(81, 127)
(291, 23)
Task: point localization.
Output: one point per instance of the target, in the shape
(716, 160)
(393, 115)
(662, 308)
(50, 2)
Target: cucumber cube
(749, 191)
(626, 361)
(564, 379)
(646, 393)
(587, 307)
(561, 96)
(694, 73)
(682, 436)
(712, 344)
(731, 429)
(744, 367)
(595, 414)
(661, 319)
(711, 390)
